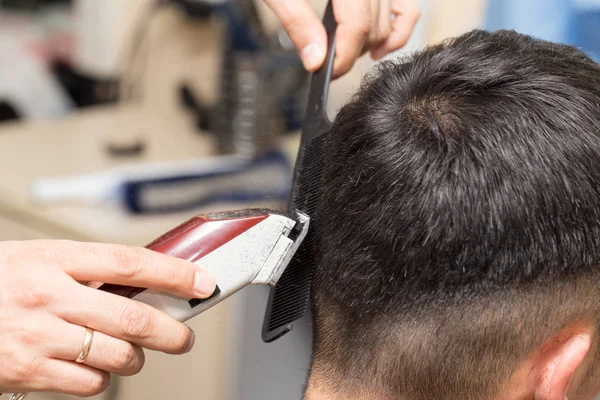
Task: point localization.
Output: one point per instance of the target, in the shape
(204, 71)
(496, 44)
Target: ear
(564, 356)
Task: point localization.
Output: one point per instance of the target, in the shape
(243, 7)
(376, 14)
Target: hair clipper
(239, 248)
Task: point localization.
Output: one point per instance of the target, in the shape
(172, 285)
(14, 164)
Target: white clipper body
(239, 248)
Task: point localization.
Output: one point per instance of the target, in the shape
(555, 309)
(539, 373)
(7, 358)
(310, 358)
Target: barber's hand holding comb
(378, 26)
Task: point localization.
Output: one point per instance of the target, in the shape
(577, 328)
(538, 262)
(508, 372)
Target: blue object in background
(168, 187)
(264, 179)
(574, 22)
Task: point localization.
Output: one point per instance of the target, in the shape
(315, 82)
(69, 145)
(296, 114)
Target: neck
(316, 392)
(320, 391)
(315, 395)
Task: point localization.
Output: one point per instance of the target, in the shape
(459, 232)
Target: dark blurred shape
(85, 91)
(262, 85)
(30, 4)
(195, 8)
(196, 107)
(262, 88)
(132, 149)
(8, 112)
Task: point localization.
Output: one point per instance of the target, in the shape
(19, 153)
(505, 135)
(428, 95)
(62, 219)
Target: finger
(304, 29)
(127, 320)
(131, 266)
(374, 7)
(407, 14)
(106, 352)
(58, 376)
(354, 27)
(384, 23)
(381, 24)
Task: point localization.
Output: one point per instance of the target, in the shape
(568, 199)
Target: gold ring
(87, 345)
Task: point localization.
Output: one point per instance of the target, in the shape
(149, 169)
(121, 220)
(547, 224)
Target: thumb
(304, 29)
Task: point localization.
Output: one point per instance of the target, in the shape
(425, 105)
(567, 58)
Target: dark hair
(459, 225)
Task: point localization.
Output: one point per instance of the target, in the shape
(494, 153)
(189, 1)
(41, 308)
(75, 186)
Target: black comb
(289, 299)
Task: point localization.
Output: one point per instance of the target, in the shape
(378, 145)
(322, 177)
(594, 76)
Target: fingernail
(204, 283)
(190, 344)
(312, 56)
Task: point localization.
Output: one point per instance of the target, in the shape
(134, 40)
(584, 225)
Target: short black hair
(459, 224)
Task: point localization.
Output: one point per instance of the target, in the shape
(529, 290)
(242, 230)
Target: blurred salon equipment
(29, 39)
(261, 88)
(261, 92)
(262, 84)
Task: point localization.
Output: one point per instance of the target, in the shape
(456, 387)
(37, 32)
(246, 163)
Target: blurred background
(121, 119)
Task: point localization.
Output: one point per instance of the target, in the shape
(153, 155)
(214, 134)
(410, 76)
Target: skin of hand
(378, 26)
(46, 303)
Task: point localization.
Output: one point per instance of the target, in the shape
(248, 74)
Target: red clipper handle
(195, 239)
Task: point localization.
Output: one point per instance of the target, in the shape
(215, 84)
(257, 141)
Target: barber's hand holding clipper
(378, 26)
(58, 334)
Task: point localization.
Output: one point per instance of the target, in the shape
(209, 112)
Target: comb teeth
(289, 300)
(290, 297)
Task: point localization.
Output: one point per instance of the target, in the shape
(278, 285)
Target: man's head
(459, 228)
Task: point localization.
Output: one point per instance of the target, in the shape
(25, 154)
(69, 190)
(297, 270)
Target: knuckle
(383, 35)
(385, 32)
(135, 321)
(95, 384)
(15, 375)
(416, 11)
(364, 26)
(11, 378)
(124, 357)
(23, 370)
(31, 334)
(33, 296)
(47, 253)
(379, 37)
(287, 12)
(128, 260)
(290, 20)
(344, 66)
